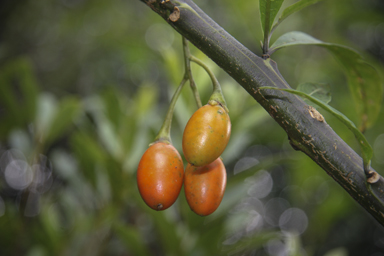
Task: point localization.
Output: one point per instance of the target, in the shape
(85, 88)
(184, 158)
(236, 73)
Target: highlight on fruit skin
(206, 135)
(204, 187)
(160, 175)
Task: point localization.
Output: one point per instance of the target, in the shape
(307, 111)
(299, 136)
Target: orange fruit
(206, 135)
(204, 186)
(160, 175)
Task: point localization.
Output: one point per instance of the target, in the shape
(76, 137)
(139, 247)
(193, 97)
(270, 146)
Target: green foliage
(365, 83)
(131, 238)
(367, 151)
(320, 91)
(268, 12)
(18, 93)
(298, 6)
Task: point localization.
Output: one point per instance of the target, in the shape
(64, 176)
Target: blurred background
(84, 88)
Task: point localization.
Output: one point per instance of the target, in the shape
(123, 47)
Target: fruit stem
(188, 72)
(217, 96)
(164, 134)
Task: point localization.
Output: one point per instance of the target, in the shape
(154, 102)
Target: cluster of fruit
(160, 174)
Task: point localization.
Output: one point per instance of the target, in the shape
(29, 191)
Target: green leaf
(107, 134)
(320, 91)
(250, 243)
(131, 238)
(296, 38)
(88, 153)
(367, 151)
(172, 64)
(113, 109)
(365, 83)
(18, 94)
(46, 111)
(339, 251)
(294, 8)
(294, 245)
(166, 229)
(66, 113)
(145, 99)
(268, 11)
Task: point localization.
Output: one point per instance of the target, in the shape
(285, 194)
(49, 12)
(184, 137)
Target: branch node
(373, 177)
(175, 15)
(265, 56)
(315, 114)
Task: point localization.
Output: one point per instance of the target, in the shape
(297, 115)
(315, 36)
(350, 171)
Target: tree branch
(305, 126)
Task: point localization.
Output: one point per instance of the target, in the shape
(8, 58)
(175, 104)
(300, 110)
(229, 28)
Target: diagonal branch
(305, 127)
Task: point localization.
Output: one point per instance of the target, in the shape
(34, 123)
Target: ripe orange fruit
(206, 135)
(160, 175)
(204, 186)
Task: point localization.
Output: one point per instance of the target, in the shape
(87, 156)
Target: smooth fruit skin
(160, 175)
(204, 187)
(206, 135)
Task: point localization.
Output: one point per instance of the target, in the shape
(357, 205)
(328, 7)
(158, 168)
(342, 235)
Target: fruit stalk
(217, 94)
(188, 72)
(164, 134)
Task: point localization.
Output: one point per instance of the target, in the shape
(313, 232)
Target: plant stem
(266, 31)
(188, 72)
(217, 94)
(164, 134)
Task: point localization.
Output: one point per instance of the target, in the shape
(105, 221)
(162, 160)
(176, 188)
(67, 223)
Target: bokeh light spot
(273, 210)
(293, 220)
(18, 174)
(244, 164)
(159, 37)
(262, 184)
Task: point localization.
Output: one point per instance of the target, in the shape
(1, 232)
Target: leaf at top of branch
(364, 81)
(268, 11)
(298, 6)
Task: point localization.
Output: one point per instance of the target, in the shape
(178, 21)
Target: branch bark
(304, 125)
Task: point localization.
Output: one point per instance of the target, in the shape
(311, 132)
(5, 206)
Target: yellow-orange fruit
(204, 186)
(160, 175)
(206, 135)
